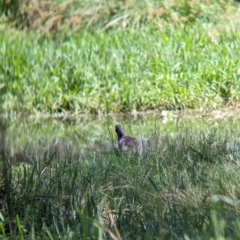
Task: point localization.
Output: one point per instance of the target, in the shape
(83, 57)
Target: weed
(171, 192)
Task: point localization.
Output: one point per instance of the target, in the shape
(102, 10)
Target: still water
(94, 135)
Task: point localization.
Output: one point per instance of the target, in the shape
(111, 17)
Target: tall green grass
(187, 67)
(152, 63)
(186, 187)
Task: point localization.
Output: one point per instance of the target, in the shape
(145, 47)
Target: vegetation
(68, 181)
(185, 187)
(119, 56)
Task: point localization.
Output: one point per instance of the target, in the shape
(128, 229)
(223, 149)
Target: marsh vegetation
(61, 174)
(184, 186)
(121, 56)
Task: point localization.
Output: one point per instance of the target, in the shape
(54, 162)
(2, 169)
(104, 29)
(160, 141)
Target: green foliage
(119, 71)
(184, 186)
(129, 55)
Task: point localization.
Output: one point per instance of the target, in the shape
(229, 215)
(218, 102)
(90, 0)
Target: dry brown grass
(48, 16)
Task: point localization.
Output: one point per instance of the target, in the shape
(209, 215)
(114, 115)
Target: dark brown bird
(126, 143)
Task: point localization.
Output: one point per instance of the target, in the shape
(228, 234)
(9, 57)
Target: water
(39, 138)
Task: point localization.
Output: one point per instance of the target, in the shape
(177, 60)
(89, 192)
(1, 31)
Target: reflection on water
(43, 138)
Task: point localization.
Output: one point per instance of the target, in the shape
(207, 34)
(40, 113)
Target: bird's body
(126, 143)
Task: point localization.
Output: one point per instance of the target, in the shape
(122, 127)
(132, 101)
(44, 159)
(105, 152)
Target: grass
(58, 180)
(154, 62)
(184, 188)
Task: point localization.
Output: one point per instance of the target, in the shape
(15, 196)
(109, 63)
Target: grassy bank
(185, 187)
(181, 56)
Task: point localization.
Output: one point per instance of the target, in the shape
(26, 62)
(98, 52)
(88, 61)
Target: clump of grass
(153, 55)
(172, 191)
(96, 73)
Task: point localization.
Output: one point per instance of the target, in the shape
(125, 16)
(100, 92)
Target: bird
(127, 144)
